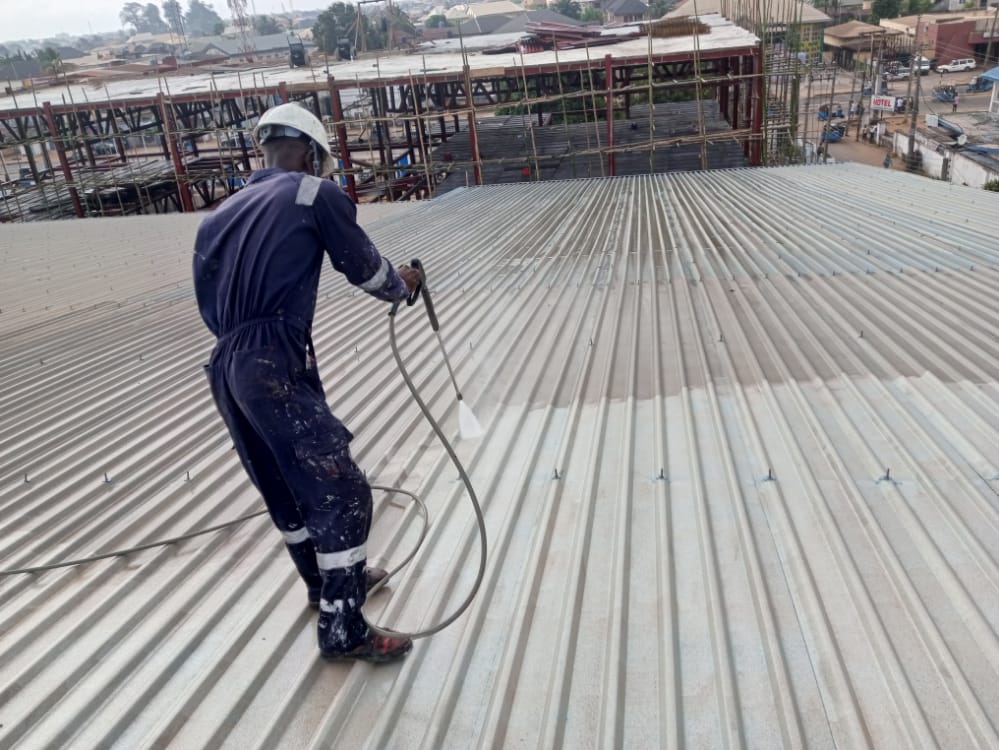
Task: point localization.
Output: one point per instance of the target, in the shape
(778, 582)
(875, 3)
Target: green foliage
(568, 8)
(992, 186)
(50, 60)
(151, 15)
(591, 15)
(173, 12)
(885, 9)
(659, 8)
(915, 7)
(142, 18)
(202, 20)
(435, 22)
(131, 15)
(335, 23)
(264, 25)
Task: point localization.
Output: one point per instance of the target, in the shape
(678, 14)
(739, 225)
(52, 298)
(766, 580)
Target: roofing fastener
(555, 474)
(770, 475)
(662, 473)
(26, 480)
(107, 479)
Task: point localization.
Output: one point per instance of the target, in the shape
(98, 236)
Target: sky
(50, 17)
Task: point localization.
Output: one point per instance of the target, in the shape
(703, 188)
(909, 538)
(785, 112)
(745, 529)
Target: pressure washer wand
(422, 291)
(468, 425)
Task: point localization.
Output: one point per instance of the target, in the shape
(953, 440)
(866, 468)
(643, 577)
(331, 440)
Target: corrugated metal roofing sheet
(770, 399)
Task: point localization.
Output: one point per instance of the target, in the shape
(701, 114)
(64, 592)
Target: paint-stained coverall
(257, 262)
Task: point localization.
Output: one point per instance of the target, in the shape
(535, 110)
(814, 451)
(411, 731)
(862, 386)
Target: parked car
(944, 93)
(978, 83)
(833, 132)
(103, 148)
(957, 66)
(898, 74)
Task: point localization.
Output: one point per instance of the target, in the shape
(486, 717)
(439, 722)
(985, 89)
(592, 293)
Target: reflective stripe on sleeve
(344, 559)
(377, 281)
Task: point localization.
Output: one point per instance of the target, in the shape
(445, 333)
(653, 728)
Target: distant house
(511, 23)
(948, 36)
(856, 41)
(266, 47)
(15, 69)
(626, 11)
(70, 53)
(798, 23)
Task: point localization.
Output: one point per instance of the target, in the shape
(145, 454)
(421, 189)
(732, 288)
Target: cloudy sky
(27, 19)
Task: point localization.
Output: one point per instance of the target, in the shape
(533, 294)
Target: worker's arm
(351, 250)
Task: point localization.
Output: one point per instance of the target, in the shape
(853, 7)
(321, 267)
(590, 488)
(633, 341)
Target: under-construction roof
(792, 11)
(443, 56)
(740, 478)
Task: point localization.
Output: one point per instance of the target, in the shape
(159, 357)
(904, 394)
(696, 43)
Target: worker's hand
(411, 276)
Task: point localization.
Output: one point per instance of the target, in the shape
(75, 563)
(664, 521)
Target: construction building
(675, 94)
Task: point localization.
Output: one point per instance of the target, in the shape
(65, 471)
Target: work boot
(372, 577)
(376, 648)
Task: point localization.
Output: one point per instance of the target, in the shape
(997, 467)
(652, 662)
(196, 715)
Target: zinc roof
(739, 474)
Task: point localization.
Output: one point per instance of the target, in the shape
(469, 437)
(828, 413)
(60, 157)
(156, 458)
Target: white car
(957, 66)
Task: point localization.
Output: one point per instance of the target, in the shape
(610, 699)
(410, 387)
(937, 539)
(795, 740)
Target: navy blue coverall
(257, 261)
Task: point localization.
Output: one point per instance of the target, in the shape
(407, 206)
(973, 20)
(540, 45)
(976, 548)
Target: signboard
(883, 103)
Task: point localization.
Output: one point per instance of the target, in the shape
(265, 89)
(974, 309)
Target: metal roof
(740, 478)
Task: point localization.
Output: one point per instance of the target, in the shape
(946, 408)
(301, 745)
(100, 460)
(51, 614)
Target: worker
(257, 260)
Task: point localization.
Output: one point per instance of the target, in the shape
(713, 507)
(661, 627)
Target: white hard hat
(294, 121)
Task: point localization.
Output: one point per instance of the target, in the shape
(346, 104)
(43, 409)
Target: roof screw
(861, 334)
(107, 479)
(591, 341)
(662, 473)
(887, 476)
(188, 477)
(770, 475)
(555, 474)
(721, 337)
(26, 480)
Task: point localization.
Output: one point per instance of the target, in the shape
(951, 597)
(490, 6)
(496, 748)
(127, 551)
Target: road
(846, 87)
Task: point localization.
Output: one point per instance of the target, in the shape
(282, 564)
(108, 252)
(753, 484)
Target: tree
(334, 23)
(266, 25)
(884, 9)
(591, 15)
(151, 15)
(131, 14)
(568, 8)
(435, 22)
(174, 15)
(201, 20)
(50, 60)
(659, 8)
(915, 7)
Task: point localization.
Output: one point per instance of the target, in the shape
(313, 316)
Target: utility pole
(915, 102)
(827, 128)
(992, 33)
